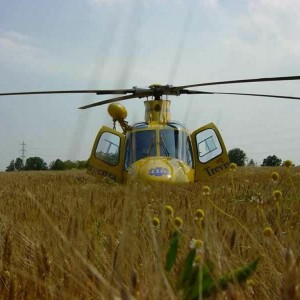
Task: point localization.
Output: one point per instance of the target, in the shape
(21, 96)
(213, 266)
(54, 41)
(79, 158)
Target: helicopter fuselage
(157, 150)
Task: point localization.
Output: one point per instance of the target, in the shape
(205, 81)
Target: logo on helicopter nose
(158, 171)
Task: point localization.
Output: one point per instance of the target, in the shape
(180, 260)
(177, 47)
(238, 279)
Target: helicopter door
(210, 155)
(107, 157)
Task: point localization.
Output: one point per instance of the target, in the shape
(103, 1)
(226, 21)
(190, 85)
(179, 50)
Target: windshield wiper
(150, 147)
(164, 146)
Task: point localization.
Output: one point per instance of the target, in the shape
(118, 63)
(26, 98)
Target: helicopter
(158, 149)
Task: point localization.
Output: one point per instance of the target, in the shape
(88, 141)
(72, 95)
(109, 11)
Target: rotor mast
(157, 111)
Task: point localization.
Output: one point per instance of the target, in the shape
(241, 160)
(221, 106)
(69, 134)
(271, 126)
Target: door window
(108, 148)
(208, 145)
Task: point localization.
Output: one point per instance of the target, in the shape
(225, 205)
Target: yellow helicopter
(158, 149)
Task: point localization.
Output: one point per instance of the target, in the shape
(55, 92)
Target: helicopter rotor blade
(97, 92)
(158, 90)
(242, 94)
(191, 92)
(137, 95)
(266, 79)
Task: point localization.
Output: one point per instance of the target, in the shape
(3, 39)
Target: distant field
(65, 235)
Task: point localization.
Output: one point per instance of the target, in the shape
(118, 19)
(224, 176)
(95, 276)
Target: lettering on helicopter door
(219, 168)
(94, 171)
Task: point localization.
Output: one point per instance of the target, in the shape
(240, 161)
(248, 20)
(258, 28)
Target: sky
(106, 44)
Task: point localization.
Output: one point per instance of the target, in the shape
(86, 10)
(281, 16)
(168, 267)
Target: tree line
(38, 164)
(236, 155)
(239, 157)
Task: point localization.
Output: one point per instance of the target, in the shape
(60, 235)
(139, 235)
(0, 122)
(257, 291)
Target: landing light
(117, 111)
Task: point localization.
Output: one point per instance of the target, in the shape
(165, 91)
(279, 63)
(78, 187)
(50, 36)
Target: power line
(23, 150)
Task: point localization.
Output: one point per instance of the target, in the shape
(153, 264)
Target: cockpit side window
(189, 156)
(128, 152)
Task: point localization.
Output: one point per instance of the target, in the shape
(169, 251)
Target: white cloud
(210, 3)
(12, 47)
(17, 51)
(265, 38)
(273, 20)
(16, 48)
(99, 2)
(14, 35)
(207, 3)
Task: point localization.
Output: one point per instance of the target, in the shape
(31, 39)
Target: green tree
(11, 166)
(237, 156)
(70, 165)
(272, 161)
(57, 165)
(19, 164)
(35, 163)
(251, 163)
(82, 164)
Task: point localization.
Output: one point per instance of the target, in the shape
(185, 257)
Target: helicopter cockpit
(171, 140)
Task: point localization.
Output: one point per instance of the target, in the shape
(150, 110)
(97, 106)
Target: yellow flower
(288, 163)
(155, 222)
(198, 259)
(277, 195)
(232, 167)
(199, 214)
(197, 244)
(169, 210)
(274, 176)
(250, 282)
(268, 232)
(178, 222)
(206, 190)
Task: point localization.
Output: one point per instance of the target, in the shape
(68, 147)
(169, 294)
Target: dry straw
(83, 224)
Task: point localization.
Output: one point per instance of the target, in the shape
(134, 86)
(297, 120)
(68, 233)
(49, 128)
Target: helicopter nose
(161, 169)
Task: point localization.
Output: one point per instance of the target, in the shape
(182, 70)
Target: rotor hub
(159, 90)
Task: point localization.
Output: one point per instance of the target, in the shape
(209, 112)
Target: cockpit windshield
(169, 142)
(140, 144)
(174, 143)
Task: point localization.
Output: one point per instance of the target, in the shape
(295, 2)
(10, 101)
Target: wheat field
(66, 235)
